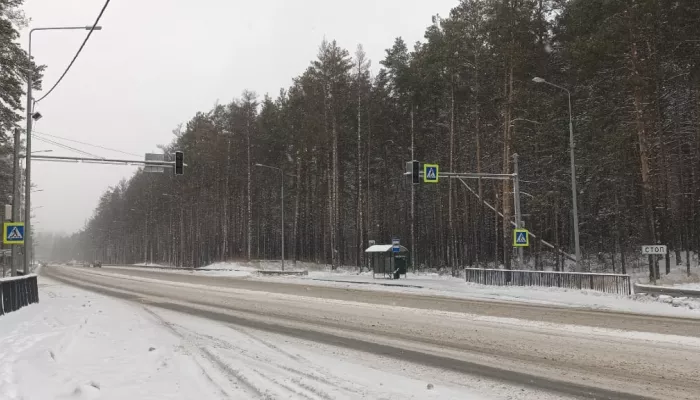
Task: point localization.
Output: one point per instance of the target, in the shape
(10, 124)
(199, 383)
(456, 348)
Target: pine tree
(464, 98)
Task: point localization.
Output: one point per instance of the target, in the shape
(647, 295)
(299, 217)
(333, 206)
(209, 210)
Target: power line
(84, 143)
(77, 53)
(66, 147)
(51, 142)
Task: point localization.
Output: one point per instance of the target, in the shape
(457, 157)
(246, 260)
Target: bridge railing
(607, 283)
(18, 292)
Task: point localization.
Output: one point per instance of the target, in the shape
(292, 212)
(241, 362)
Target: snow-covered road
(259, 339)
(432, 284)
(77, 344)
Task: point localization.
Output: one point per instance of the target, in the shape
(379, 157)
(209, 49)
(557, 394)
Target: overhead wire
(66, 147)
(77, 53)
(84, 143)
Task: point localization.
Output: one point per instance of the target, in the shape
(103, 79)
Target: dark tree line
(463, 98)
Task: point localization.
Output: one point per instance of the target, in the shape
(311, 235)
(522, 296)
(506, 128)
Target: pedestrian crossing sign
(430, 173)
(13, 233)
(521, 238)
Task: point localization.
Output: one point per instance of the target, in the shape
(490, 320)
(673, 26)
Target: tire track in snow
(206, 374)
(267, 367)
(226, 370)
(233, 372)
(314, 374)
(203, 340)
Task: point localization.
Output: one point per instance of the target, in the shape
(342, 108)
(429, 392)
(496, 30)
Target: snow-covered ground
(147, 264)
(256, 265)
(77, 344)
(695, 286)
(434, 284)
(639, 270)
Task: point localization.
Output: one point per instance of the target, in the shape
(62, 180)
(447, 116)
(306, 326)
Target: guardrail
(667, 290)
(608, 283)
(18, 292)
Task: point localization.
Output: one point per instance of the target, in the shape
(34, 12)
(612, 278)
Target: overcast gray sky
(157, 62)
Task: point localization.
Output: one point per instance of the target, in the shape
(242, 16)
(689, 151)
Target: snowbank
(256, 265)
(228, 266)
(639, 271)
(146, 264)
(694, 286)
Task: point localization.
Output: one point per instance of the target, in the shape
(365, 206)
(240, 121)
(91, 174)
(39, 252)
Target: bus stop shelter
(387, 263)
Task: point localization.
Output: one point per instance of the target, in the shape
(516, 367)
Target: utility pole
(281, 171)
(518, 215)
(15, 199)
(28, 174)
(574, 192)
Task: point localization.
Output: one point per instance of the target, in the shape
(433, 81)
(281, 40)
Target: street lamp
(282, 175)
(573, 170)
(30, 117)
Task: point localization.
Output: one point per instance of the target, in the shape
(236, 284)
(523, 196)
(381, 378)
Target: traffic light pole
(109, 161)
(15, 200)
(516, 199)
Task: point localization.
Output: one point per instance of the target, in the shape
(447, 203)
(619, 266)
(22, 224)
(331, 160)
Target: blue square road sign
(431, 173)
(521, 238)
(13, 233)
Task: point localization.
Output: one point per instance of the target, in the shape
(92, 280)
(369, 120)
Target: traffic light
(415, 171)
(179, 163)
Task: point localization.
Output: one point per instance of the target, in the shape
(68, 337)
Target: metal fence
(18, 292)
(608, 283)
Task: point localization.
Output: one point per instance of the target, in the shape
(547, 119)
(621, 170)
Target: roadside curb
(259, 271)
(369, 283)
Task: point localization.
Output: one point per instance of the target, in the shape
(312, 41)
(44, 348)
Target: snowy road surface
(568, 352)
(432, 284)
(78, 344)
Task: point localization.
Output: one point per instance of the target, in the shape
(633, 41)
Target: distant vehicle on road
(97, 264)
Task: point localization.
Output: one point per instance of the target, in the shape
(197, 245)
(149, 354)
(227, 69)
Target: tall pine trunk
(507, 153)
(644, 154)
(250, 201)
(413, 197)
(361, 238)
(450, 220)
